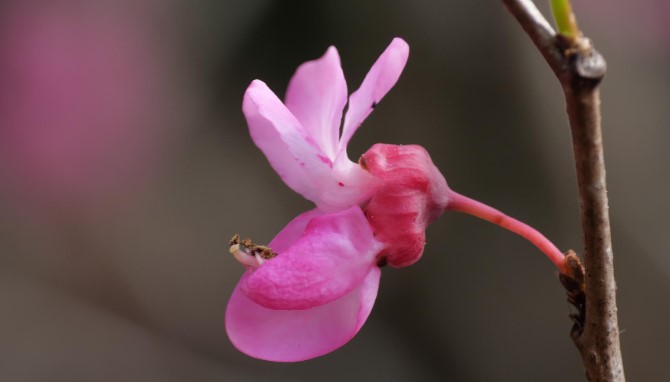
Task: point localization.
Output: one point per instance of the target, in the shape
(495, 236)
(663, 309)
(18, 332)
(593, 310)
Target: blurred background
(126, 165)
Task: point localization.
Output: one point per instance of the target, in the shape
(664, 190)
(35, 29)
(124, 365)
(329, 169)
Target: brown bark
(579, 69)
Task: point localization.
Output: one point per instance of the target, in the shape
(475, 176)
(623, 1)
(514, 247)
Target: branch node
(573, 282)
(586, 63)
(591, 65)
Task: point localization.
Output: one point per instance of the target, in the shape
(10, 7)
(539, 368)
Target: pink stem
(458, 202)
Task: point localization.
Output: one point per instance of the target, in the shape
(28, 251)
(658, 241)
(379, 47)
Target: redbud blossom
(311, 289)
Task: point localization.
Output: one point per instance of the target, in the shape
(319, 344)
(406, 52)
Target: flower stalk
(473, 207)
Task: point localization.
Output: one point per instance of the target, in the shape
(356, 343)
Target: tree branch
(580, 68)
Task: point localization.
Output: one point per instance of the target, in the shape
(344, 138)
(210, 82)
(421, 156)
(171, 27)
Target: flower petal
(298, 335)
(316, 96)
(348, 185)
(293, 230)
(379, 80)
(327, 261)
(292, 153)
(297, 158)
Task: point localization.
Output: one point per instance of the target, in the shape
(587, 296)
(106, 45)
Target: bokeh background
(126, 165)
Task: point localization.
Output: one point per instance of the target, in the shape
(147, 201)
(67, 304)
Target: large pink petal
(379, 80)
(288, 147)
(327, 261)
(316, 95)
(298, 335)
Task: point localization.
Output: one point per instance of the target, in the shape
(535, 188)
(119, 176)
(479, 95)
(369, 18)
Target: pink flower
(312, 289)
(316, 294)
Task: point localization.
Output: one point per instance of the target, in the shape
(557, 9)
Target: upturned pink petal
(379, 80)
(298, 335)
(297, 157)
(292, 153)
(316, 96)
(331, 258)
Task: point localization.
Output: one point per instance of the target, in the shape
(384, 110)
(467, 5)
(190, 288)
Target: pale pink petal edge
(292, 231)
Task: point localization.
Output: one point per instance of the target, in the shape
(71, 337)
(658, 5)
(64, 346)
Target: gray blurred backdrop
(127, 166)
